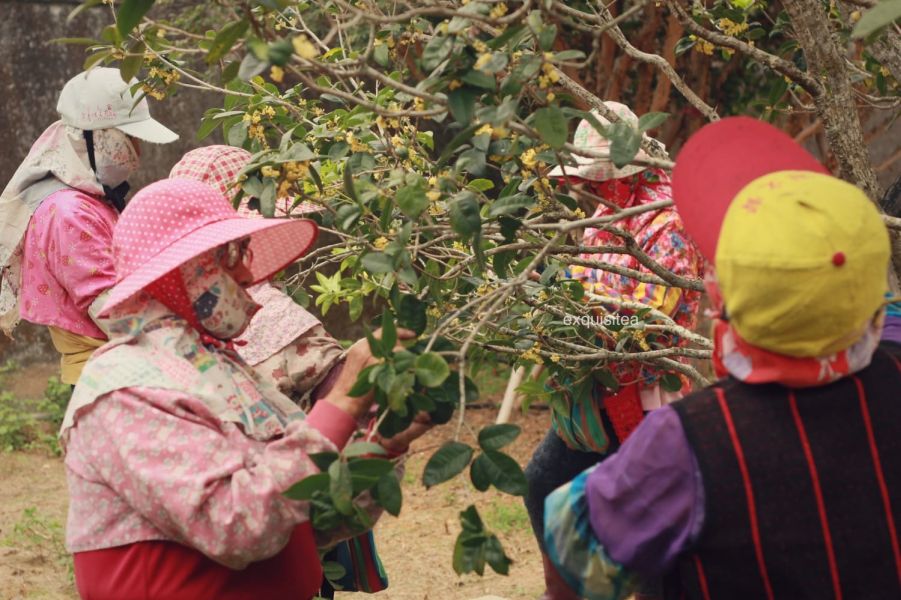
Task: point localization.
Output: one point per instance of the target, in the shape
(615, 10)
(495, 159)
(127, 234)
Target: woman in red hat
(177, 452)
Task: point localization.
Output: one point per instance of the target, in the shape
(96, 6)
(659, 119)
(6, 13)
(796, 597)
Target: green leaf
(436, 51)
(671, 382)
(552, 125)
(322, 460)
(480, 79)
(132, 64)
(388, 493)
(884, 13)
(624, 143)
(412, 200)
(651, 120)
(347, 215)
(462, 103)
(431, 369)
(481, 185)
(496, 557)
(377, 263)
(355, 307)
(381, 55)
(446, 463)
(366, 472)
(349, 183)
(510, 204)
(455, 143)
(333, 571)
(303, 490)
(225, 39)
(341, 487)
(481, 478)
(130, 14)
(267, 199)
(357, 449)
(251, 66)
(399, 391)
(389, 331)
(363, 384)
(472, 161)
(464, 215)
(495, 437)
(411, 313)
(505, 473)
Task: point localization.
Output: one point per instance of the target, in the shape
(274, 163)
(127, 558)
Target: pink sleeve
(82, 259)
(196, 479)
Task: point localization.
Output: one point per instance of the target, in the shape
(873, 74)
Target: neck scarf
(153, 346)
(734, 356)
(58, 159)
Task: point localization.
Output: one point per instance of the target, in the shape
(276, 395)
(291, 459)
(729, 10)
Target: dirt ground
(416, 547)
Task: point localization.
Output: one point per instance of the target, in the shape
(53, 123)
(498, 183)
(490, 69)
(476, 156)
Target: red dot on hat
(838, 259)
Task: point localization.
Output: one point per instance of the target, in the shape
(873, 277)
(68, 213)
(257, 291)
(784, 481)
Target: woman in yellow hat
(783, 479)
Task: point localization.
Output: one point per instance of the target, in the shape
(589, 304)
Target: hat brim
(274, 244)
(718, 161)
(588, 168)
(149, 130)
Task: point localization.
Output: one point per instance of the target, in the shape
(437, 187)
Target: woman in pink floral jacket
(177, 452)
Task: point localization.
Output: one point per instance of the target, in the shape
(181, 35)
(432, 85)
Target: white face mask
(115, 157)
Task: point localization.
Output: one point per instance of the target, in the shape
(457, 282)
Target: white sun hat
(99, 99)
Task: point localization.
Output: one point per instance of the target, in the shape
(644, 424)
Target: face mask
(115, 157)
(222, 307)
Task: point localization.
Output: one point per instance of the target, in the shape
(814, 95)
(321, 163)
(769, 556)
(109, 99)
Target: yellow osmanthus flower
(482, 61)
(533, 354)
(459, 246)
(704, 47)
(730, 27)
(418, 104)
(296, 170)
(434, 311)
(579, 213)
(555, 357)
(256, 132)
(456, 83)
(433, 195)
(528, 158)
(304, 48)
(277, 74)
(486, 128)
(480, 46)
(268, 171)
(380, 243)
(499, 10)
(268, 111)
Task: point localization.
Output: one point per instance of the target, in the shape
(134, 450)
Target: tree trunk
(835, 101)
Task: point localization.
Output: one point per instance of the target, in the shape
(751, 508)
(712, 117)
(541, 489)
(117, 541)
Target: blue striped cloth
(575, 551)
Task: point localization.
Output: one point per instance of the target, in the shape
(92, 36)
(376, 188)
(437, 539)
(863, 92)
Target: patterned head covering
(220, 167)
(589, 138)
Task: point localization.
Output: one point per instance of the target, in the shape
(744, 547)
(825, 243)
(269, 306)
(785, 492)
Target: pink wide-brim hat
(219, 166)
(171, 221)
(589, 138)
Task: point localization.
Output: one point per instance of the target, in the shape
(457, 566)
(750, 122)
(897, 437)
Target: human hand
(358, 357)
(400, 443)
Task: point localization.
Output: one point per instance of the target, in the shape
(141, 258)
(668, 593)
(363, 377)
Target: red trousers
(158, 570)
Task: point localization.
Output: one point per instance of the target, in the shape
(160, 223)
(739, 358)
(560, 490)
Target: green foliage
(476, 546)
(39, 533)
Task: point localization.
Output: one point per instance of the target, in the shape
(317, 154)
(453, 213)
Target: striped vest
(802, 489)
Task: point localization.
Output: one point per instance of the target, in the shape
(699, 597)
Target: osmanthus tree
(424, 130)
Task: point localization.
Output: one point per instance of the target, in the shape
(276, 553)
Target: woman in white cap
(587, 429)
(177, 452)
(58, 211)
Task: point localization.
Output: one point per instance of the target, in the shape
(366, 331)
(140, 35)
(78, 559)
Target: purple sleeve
(891, 332)
(646, 502)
